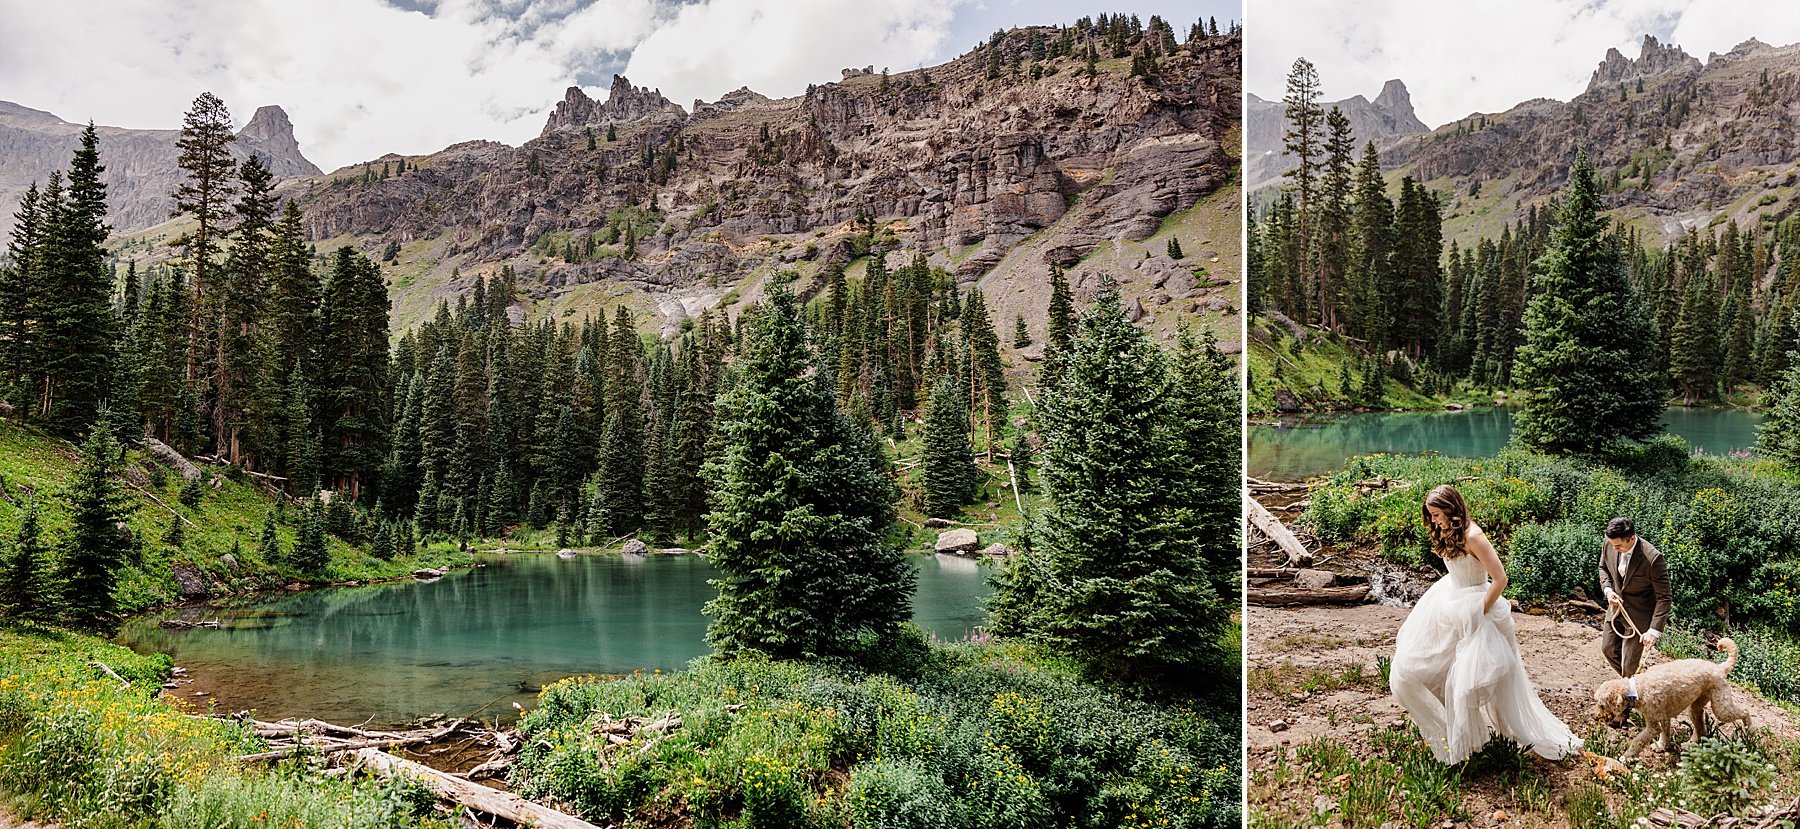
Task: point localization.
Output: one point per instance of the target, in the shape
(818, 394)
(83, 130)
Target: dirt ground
(1335, 650)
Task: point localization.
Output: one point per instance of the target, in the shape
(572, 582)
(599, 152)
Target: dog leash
(1613, 614)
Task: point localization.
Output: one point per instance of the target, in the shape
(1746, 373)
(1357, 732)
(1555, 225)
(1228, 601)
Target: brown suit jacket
(1644, 589)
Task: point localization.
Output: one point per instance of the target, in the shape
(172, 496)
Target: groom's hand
(1612, 598)
(1650, 637)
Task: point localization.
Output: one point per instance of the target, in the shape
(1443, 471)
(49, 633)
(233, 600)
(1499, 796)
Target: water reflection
(397, 651)
(1295, 449)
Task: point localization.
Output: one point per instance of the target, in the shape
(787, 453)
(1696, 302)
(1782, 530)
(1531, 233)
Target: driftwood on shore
(182, 624)
(1272, 528)
(1259, 485)
(1290, 596)
(472, 796)
(290, 737)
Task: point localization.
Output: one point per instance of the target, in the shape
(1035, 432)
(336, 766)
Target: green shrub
(291, 799)
(1721, 775)
(1549, 560)
(901, 795)
(1769, 662)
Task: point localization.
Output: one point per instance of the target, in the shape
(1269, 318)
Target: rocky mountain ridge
(1382, 120)
(141, 170)
(965, 161)
(1679, 143)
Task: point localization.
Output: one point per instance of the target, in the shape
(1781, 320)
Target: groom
(1636, 581)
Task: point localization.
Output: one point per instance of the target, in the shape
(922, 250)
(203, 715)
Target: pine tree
(1778, 436)
(1371, 246)
(1588, 355)
(1694, 353)
(801, 508)
(1117, 575)
(1174, 248)
(948, 466)
(986, 374)
(353, 375)
(96, 546)
(1021, 334)
(1059, 331)
(26, 593)
(206, 192)
(1304, 140)
(619, 491)
(268, 545)
(18, 290)
(1208, 425)
(1337, 180)
(310, 554)
(76, 328)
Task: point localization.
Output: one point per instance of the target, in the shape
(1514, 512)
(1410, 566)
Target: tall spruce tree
(801, 507)
(25, 591)
(1778, 436)
(76, 329)
(206, 192)
(948, 464)
(96, 545)
(1117, 574)
(353, 370)
(1588, 355)
(620, 486)
(18, 289)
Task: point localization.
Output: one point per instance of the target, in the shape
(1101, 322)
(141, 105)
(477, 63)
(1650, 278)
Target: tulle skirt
(1458, 673)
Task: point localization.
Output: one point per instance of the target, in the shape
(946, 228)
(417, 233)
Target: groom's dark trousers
(1644, 591)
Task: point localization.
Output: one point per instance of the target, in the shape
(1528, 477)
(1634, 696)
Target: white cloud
(777, 47)
(361, 77)
(1458, 58)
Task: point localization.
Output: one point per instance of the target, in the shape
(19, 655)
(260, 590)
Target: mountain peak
(1394, 96)
(1654, 58)
(270, 135)
(624, 104)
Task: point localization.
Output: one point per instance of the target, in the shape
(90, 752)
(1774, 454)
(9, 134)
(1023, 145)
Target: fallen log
(1259, 485)
(1270, 572)
(179, 624)
(1291, 596)
(1265, 521)
(110, 672)
(472, 796)
(167, 454)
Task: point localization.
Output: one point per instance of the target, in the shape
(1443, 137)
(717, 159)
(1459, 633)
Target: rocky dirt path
(1312, 672)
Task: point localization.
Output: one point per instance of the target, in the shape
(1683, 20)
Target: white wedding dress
(1458, 672)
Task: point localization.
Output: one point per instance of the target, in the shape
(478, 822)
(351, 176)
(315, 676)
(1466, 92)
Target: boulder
(959, 541)
(939, 523)
(1314, 579)
(231, 563)
(634, 547)
(190, 581)
(995, 551)
(427, 573)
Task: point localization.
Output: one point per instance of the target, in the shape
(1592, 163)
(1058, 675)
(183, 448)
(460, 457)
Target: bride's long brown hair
(1447, 543)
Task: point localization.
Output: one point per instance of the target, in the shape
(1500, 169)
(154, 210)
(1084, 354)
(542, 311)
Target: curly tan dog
(1668, 689)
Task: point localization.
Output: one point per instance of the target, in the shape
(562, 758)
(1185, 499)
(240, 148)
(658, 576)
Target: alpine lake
(478, 640)
(1299, 448)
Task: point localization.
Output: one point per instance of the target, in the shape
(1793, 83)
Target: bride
(1456, 664)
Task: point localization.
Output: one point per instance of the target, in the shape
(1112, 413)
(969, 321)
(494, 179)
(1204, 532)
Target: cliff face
(140, 164)
(947, 159)
(1382, 120)
(1677, 142)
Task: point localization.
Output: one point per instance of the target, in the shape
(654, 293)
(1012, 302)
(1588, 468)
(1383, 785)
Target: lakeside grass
(904, 734)
(80, 748)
